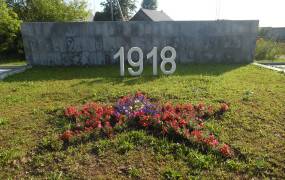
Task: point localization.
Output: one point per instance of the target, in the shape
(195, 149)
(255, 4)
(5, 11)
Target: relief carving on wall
(69, 44)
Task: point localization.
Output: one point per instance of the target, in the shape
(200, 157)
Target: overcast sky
(269, 12)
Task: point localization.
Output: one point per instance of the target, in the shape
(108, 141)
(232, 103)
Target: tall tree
(9, 27)
(149, 4)
(127, 6)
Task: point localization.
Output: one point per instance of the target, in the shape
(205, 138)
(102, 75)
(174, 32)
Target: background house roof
(151, 15)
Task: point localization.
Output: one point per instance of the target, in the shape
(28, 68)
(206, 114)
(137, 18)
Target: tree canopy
(50, 10)
(9, 26)
(12, 12)
(127, 6)
(149, 4)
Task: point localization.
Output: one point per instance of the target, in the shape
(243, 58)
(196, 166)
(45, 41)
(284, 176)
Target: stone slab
(95, 43)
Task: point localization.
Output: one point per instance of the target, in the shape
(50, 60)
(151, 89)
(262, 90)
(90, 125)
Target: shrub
(267, 49)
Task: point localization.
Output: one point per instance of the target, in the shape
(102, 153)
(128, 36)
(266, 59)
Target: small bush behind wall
(267, 49)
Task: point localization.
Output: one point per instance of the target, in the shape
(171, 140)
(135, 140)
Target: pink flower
(99, 125)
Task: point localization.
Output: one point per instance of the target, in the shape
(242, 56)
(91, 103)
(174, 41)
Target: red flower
(138, 94)
(224, 107)
(197, 134)
(188, 107)
(145, 121)
(164, 130)
(186, 133)
(71, 112)
(108, 125)
(178, 109)
(210, 110)
(67, 135)
(88, 129)
(226, 150)
(211, 141)
(201, 107)
(201, 125)
(157, 116)
(182, 122)
(167, 107)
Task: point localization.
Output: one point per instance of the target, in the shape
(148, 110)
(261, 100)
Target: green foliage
(124, 147)
(55, 175)
(149, 4)
(102, 16)
(3, 121)
(171, 174)
(126, 142)
(100, 146)
(51, 10)
(9, 27)
(262, 32)
(35, 11)
(50, 143)
(234, 165)
(266, 50)
(6, 155)
(134, 173)
(127, 6)
(248, 95)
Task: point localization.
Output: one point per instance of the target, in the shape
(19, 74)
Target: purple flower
(132, 106)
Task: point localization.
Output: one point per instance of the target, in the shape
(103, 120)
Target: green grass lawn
(280, 60)
(31, 106)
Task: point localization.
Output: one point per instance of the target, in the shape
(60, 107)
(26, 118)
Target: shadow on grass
(111, 73)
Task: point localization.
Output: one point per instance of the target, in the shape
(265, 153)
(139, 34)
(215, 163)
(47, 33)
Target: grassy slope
(255, 123)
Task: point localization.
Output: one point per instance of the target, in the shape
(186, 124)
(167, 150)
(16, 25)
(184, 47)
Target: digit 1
(153, 54)
(121, 54)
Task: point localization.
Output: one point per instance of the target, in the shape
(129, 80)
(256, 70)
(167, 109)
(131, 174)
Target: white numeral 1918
(139, 64)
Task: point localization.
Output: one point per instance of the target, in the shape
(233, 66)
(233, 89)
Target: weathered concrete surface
(95, 43)
(277, 34)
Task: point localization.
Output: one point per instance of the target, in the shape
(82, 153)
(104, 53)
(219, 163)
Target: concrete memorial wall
(276, 34)
(95, 43)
